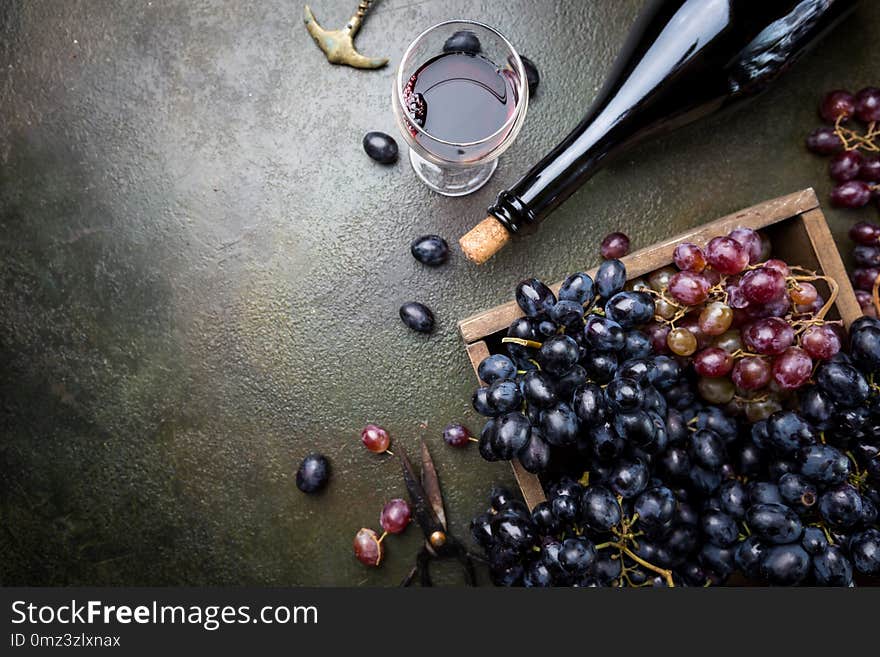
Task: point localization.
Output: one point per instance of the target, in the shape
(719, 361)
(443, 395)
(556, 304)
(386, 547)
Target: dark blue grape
(624, 394)
(655, 506)
(579, 288)
(577, 555)
(797, 492)
(706, 448)
(832, 568)
(785, 565)
(313, 473)
(864, 548)
(638, 345)
(511, 434)
(568, 313)
(734, 498)
(496, 367)
(610, 278)
(715, 419)
(636, 427)
(817, 407)
(534, 297)
(787, 431)
(841, 507)
(558, 355)
(481, 530)
(774, 523)
(601, 366)
(823, 464)
(719, 560)
(481, 403)
(748, 557)
(568, 383)
(543, 519)
(842, 383)
(463, 41)
(559, 425)
(665, 374)
(763, 492)
(704, 481)
(599, 509)
(629, 478)
(500, 497)
(865, 346)
(504, 396)
(719, 528)
(417, 316)
(589, 404)
(814, 540)
(606, 444)
(630, 309)
(487, 436)
(431, 250)
(381, 147)
(675, 463)
(537, 575)
(535, 456)
(565, 508)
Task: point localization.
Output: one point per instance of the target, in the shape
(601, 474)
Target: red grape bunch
(855, 155)
(752, 327)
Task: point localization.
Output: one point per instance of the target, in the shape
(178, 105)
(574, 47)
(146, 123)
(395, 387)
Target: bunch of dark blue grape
(649, 485)
(578, 374)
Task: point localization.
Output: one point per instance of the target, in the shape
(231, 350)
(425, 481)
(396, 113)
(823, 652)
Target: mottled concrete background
(201, 270)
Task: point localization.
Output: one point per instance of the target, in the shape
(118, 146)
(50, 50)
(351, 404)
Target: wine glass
(460, 98)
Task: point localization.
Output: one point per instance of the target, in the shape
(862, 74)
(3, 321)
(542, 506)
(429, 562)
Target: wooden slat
(658, 255)
(831, 264)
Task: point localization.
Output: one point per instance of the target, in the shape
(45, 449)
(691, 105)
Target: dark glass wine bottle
(683, 59)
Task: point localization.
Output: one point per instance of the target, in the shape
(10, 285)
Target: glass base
(451, 180)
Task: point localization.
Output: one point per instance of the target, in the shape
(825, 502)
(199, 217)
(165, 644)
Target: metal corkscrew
(338, 45)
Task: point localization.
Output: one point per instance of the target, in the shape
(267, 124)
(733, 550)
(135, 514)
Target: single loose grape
(375, 438)
(615, 245)
(395, 516)
(367, 547)
(456, 435)
(851, 194)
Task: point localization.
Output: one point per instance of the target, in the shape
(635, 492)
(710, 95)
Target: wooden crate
(799, 234)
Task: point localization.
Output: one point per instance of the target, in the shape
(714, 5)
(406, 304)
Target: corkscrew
(338, 45)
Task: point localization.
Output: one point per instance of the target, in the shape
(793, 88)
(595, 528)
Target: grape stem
(852, 140)
(522, 343)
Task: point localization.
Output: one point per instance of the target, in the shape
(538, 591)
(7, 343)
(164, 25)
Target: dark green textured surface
(201, 270)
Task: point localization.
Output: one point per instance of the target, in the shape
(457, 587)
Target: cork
(484, 240)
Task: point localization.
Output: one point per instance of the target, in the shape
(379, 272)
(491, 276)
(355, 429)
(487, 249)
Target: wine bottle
(683, 59)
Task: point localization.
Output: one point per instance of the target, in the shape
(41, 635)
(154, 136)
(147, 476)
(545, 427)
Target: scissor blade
(424, 511)
(431, 484)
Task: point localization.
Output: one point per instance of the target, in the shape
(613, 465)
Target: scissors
(427, 502)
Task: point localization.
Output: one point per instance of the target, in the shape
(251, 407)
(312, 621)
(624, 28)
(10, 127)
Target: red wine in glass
(459, 98)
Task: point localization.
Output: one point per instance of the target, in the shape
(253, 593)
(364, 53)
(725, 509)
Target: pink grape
(866, 303)
(367, 547)
(820, 342)
(792, 368)
(870, 169)
(750, 240)
(837, 104)
(762, 285)
(726, 255)
(769, 336)
(867, 105)
(615, 245)
(751, 373)
(778, 265)
(688, 288)
(845, 166)
(863, 278)
(851, 194)
(713, 362)
(456, 435)
(395, 516)
(689, 257)
(824, 141)
(865, 233)
(375, 438)
(657, 334)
